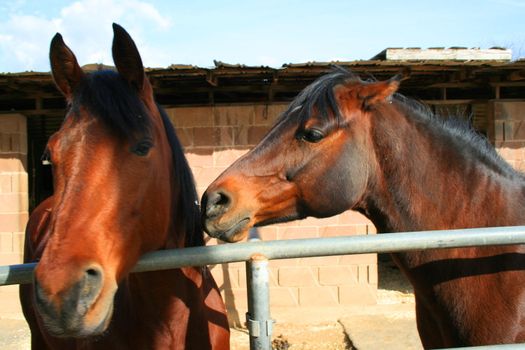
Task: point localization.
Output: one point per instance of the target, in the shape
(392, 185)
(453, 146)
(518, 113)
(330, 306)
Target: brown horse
(122, 187)
(345, 143)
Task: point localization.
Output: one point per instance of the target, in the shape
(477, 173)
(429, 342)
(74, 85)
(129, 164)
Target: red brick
(266, 115)
(351, 217)
(5, 183)
(233, 115)
(275, 110)
(362, 274)
(509, 110)
(499, 134)
(205, 177)
(13, 222)
(18, 242)
(372, 274)
(297, 276)
(13, 123)
(262, 116)
(357, 294)
(212, 136)
(235, 297)
(284, 297)
(191, 116)
(268, 233)
(256, 133)
(338, 231)
(284, 262)
(10, 305)
(226, 278)
(19, 182)
(200, 158)
(240, 135)
(336, 275)
(320, 261)
(318, 296)
(185, 136)
(311, 221)
(13, 202)
(11, 258)
(358, 259)
(6, 242)
(226, 157)
(13, 163)
(297, 232)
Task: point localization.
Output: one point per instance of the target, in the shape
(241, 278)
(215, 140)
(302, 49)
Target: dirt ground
(390, 324)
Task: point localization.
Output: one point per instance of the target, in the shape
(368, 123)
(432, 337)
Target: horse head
(112, 177)
(315, 161)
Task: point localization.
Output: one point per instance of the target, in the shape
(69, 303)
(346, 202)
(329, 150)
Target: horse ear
(378, 92)
(127, 58)
(64, 66)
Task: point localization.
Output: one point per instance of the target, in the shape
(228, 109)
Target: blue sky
(269, 32)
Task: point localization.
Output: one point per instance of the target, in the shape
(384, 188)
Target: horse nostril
(92, 273)
(93, 276)
(216, 203)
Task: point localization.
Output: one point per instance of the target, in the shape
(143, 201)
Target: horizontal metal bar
(304, 248)
(492, 347)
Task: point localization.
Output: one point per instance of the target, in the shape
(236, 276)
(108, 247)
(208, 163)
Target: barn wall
(508, 131)
(13, 202)
(213, 138)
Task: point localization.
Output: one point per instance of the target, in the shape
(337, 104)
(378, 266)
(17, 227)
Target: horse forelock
(319, 98)
(108, 97)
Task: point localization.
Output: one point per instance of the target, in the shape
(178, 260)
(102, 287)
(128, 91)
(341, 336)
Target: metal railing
(256, 255)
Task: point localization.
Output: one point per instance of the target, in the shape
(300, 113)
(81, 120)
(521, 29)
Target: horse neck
(427, 177)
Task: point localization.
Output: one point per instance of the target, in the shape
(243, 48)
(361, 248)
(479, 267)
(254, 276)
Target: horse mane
(466, 138)
(319, 97)
(190, 212)
(109, 97)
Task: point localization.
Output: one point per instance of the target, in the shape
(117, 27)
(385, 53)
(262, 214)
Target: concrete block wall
(509, 131)
(214, 137)
(13, 202)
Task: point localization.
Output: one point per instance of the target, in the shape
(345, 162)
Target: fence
(256, 254)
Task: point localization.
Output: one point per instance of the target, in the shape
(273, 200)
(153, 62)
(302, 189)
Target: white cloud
(86, 28)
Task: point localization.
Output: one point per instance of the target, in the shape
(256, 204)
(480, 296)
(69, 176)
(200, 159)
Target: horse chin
(78, 328)
(233, 233)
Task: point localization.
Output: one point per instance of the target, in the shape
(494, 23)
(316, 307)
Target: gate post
(258, 319)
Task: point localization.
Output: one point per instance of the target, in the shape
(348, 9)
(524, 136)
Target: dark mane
(189, 214)
(109, 97)
(461, 133)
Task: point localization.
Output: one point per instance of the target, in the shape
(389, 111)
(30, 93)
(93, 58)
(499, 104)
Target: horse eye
(312, 135)
(142, 148)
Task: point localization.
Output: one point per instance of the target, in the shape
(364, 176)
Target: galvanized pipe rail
(257, 253)
(304, 248)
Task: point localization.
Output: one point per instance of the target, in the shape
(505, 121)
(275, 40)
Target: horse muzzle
(79, 310)
(217, 219)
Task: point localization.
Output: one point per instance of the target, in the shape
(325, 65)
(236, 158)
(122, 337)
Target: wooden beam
(516, 75)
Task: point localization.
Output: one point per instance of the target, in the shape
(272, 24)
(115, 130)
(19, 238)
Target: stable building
(221, 112)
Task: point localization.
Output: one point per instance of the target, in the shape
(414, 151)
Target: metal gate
(256, 255)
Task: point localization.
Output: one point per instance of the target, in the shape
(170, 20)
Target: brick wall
(213, 137)
(13, 202)
(509, 131)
